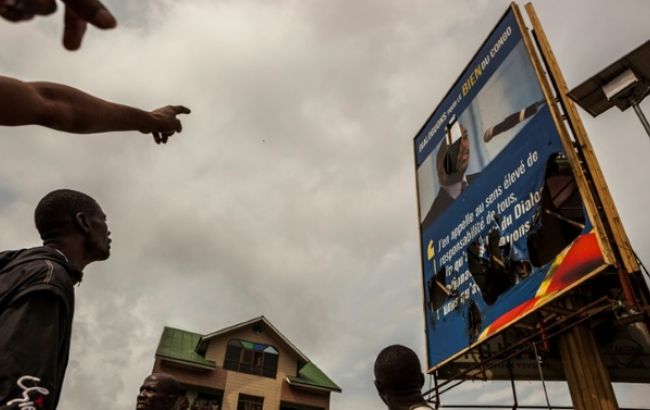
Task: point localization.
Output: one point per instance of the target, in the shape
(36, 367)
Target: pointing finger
(180, 109)
(74, 29)
(92, 11)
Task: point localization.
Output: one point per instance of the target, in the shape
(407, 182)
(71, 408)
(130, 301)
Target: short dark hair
(167, 383)
(55, 213)
(398, 368)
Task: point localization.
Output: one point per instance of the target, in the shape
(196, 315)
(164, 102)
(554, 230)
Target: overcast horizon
(290, 192)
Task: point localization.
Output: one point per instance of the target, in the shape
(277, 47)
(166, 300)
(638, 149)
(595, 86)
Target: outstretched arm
(67, 109)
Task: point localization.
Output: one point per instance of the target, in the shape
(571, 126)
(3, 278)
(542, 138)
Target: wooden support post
(623, 249)
(586, 375)
(589, 201)
(588, 380)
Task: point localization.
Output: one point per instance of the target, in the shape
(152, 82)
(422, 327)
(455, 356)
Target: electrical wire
(641, 263)
(541, 374)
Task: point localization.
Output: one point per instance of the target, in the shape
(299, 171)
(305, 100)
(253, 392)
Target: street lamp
(623, 83)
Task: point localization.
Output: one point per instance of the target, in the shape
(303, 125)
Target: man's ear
(380, 390)
(379, 387)
(82, 222)
(421, 380)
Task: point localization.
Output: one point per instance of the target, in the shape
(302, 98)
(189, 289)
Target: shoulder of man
(35, 269)
(472, 177)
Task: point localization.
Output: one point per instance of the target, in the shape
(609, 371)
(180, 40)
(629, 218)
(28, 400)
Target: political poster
(503, 227)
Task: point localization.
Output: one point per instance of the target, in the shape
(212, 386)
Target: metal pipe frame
(642, 118)
(542, 335)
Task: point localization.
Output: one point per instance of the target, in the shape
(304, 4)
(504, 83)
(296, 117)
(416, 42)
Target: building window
(205, 401)
(252, 358)
(247, 402)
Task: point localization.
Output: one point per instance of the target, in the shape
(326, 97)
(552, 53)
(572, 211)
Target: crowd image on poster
(493, 185)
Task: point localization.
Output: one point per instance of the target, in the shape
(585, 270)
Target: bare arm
(67, 109)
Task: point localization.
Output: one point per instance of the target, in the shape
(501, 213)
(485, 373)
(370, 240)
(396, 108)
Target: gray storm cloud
(290, 191)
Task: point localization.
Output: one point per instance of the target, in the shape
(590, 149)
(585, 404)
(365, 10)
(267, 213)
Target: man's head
(398, 373)
(66, 216)
(159, 391)
(452, 159)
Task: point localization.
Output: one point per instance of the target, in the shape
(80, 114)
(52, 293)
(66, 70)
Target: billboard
(503, 227)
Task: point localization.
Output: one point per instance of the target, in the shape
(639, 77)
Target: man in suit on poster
(452, 160)
(453, 156)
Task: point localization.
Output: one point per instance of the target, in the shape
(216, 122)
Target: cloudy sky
(290, 192)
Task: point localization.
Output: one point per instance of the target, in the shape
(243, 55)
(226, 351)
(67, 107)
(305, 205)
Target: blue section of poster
(482, 160)
(496, 49)
(502, 198)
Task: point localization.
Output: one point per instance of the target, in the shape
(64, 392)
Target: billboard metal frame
(568, 146)
(623, 249)
(597, 202)
(542, 336)
(479, 371)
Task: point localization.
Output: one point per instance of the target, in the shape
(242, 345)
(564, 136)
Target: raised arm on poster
(67, 109)
(512, 120)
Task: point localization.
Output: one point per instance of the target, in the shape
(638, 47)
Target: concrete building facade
(248, 366)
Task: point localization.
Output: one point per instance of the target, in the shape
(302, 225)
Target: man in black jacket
(37, 297)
